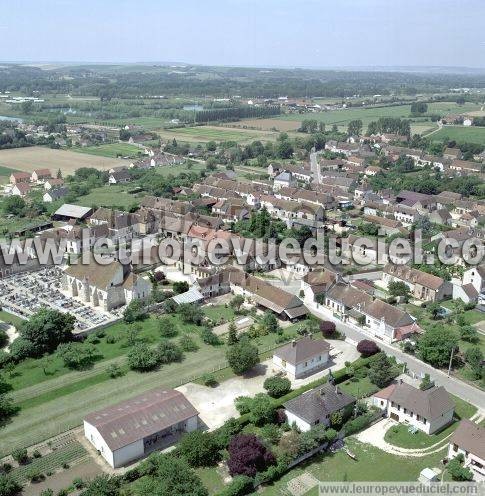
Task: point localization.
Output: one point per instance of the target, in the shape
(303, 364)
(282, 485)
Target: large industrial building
(134, 428)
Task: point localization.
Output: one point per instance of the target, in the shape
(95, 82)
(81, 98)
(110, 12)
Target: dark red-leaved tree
(327, 328)
(248, 455)
(367, 348)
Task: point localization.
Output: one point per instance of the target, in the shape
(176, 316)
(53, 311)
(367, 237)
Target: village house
(465, 167)
(121, 225)
(53, 183)
(130, 430)
(19, 177)
(316, 283)
(69, 212)
(40, 175)
(469, 440)
(388, 322)
(452, 153)
(21, 189)
(473, 285)
(440, 216)
(302, 357)
(429, 410)
(423, 286)
(317, 406)
(346, 301)
(55, 194)
(284, 180)
(119, 177)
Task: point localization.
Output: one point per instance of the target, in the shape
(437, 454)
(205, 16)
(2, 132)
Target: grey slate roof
(318, 402)
(146, 414)
(430, 404)
(470, 437)
(301, 350)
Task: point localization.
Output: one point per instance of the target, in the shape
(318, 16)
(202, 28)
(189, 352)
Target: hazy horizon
(313, 34)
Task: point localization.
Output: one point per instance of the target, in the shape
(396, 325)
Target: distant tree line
(235, 113)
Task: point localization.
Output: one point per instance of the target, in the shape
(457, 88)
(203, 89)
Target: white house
(303, 357)
(316, 406)
(284, 179)
(469, 440)
(55, 194)
(130, 430)
(428, 411)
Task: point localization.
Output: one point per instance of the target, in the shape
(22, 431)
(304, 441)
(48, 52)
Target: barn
(132, 429)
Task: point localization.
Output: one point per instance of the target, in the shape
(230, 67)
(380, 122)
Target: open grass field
(471, 134)
(203, 134)
(148, 123)
(108, 196)
(111, 150)
(344, 116)
(37, 157)
(175, 170)
(266, 124)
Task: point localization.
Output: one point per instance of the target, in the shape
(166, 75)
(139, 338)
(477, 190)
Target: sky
(272, 33)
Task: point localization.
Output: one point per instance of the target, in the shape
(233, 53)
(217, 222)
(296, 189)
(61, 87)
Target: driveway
(216, 405)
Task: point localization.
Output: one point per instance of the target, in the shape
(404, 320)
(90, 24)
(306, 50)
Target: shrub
(114, 370)
(36, 454)
(208, 337)
(355, 425)
(20, 456)
(271, 433)
(21, 348)
(77, 355)
(142, 358)
(242, 356)
(168, 352)
(9, 486)
(241, 485)
(248, 455)
(166, 328)
(209, 380)
(457, 471)
(110, 339)
(35, 475)
(367, 348)
(187, 343)
(78, 483)
(199, 448)
(277, 386)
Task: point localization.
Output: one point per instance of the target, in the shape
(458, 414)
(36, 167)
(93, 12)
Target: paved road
(455, 386)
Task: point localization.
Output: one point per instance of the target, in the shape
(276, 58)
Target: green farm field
(111, 150)
(203, 134)
(369, 114)
(471, 134)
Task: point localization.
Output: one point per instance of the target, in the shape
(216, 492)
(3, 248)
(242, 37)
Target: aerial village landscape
(220, 280)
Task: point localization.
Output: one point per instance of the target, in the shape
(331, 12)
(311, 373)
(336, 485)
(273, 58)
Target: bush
(36, 454)
(166, 328)
(9, 486)
(187, 343)
(142, 358)
(110, 339)
(20, 456)
(78, 483)
(209, 380)
(248, 455)
(21, 348)
(240, 485)
(208, 337)
(35, 475)
(77, 355)
(367, 348)
(277, 386)
(199, 448)
(356, 425)
(457, 471)
(114, 370)
(135, 311)
(168, 352)
(271, 433)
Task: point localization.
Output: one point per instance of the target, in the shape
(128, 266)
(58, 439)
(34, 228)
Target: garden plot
(26, 293)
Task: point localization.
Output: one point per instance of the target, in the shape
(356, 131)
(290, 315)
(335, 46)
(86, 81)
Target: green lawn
(211, 478)
(471, 134)
(218, 312)
(360, 388)
(108, 196)
(372, 464)
(10, 318)
(111, 150)
(399, 435)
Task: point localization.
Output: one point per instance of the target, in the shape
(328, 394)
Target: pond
(7, 118)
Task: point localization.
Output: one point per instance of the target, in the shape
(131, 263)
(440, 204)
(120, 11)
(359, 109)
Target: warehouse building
(132, 429)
